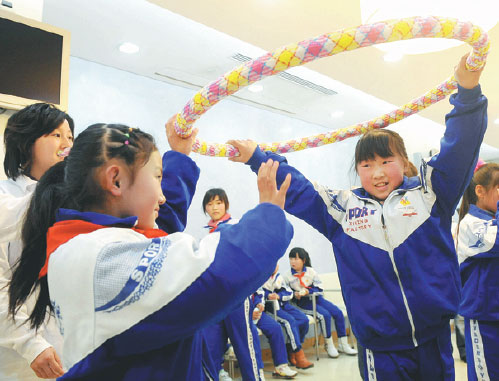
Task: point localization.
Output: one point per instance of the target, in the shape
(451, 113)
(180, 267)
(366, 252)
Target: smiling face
(215, 208)
(49, 149)
(143, 197)
(381, 175)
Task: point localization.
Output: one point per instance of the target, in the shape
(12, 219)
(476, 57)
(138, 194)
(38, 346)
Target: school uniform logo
(358, 219)
(479, 234)
(406, 208)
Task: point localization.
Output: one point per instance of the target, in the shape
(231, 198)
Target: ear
(480, 191)
(114, 180)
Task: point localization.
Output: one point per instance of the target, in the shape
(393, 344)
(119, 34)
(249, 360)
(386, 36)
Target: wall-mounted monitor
(34, 62)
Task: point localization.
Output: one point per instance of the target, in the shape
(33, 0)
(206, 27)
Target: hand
(273, 296)
(177, 143)
(297, 295)
(257, 314)
(466, 78)
(304, 292)
(47, 364)
(267, 185)
(246, 150)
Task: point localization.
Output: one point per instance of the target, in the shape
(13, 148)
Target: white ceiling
(184, 52)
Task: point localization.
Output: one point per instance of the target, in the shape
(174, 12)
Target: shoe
(283, 371)
(292, 358)
(330, 348)
(345, 347)
(301, 360)
(224, 376)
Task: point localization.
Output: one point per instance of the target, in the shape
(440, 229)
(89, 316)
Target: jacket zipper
(390, 253)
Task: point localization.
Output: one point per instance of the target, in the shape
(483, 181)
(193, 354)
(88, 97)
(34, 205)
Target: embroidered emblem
(479, 234)
(406, 208)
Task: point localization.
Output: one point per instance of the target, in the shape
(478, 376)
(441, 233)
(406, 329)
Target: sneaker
(224, 376)
(345, 347)
(283, 371)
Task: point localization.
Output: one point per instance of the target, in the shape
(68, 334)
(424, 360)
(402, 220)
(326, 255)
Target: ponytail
(47, 199)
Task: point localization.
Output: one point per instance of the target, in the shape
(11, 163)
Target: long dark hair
(23, 129)
(71, 184)
(302, 254)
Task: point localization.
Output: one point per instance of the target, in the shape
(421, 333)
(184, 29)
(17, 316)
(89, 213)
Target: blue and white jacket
(131, 307)
(309, 280)
(478, 253)
(277, 285)
(396, 261)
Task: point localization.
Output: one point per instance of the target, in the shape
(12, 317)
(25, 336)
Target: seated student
(36, 138)
(236, 326)
(129, 299)
(294, 321)
(303, 280)
(273, 332)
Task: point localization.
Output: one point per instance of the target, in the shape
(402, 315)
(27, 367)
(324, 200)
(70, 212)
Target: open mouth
(64, 152)
(381, 185)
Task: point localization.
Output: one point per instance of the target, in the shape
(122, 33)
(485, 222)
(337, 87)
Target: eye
(56, 134)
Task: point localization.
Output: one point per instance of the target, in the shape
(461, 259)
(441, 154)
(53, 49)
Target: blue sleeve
(245, 258)
(180, 176)
(284, 293)
(302, 199)
(453, 166)
(258, 298)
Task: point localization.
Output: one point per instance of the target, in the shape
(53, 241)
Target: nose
(162, 199)
(378, 172)
(67, 141)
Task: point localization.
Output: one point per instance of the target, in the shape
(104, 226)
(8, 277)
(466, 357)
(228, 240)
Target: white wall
(99, 93)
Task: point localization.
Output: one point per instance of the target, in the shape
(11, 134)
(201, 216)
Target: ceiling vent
(290, 77)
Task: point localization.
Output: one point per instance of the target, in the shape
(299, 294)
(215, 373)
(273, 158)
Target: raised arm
(302, 197)
(180, 176)
(453, 167)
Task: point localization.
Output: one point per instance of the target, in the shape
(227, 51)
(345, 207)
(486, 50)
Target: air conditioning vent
(290, 77)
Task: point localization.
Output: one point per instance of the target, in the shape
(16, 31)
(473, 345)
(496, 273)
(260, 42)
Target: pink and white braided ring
(328, 45)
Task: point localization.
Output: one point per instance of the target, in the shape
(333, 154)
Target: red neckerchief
(213, 225)
(63, 231)
(300, 277)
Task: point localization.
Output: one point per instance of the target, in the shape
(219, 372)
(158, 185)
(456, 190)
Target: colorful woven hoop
(328, 45)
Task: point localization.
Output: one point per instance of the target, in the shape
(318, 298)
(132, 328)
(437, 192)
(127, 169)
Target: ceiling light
(393, 56)
(129, 48)
(496, 121)
(480, 13)
(336, 114)
(255, 88)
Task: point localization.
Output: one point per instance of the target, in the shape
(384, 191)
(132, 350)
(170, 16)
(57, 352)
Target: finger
(273, 173)
(285, 184)
(55, 367)
(194, 134)
(58, 360)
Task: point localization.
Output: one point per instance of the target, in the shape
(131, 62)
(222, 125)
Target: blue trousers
(325, 311)
(431, 361)
(482, 349)
(239, 328)
(295, 325)
(273, 332)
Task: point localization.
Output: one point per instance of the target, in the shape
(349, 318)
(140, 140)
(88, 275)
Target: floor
(343, 368)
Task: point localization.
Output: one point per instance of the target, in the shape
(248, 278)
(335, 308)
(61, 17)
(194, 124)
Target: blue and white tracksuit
(478, 253)
(326, 310)
(132, 307)
(243, 335)
(396, 260)
(271, 329)
(294, 321)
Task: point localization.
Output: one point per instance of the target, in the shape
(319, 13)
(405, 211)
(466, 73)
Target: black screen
(30, 62)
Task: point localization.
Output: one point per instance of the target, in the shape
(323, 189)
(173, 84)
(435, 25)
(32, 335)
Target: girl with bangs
(392, 238)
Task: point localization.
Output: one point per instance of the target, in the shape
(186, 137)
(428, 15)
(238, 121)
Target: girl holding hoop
(392, 238)
(130, 299)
